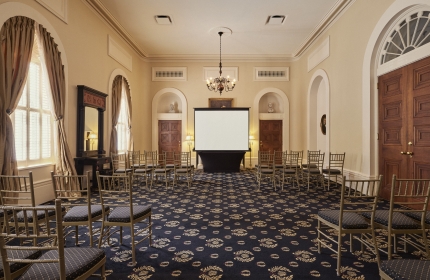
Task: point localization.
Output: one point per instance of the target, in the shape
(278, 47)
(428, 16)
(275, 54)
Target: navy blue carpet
(224, 228)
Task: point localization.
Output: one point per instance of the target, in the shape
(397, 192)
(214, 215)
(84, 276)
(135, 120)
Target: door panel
(392, 126)
(419, 122)
(404, 123)
(169, 136)
(270, 135)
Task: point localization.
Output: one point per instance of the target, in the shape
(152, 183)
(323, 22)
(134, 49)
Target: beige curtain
(128, 94)
(16, 37)
(64, 164)
(116, 106)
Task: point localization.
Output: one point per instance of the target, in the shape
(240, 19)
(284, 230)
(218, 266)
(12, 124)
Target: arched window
(410, 33)
(123, 125)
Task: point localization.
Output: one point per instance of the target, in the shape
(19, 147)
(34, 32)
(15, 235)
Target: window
(32, 119)
(410, 33)
(123, 126)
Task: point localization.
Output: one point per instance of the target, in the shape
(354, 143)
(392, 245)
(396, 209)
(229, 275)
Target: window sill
(35, 166)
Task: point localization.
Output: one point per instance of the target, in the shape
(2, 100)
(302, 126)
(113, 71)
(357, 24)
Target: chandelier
(220, 83)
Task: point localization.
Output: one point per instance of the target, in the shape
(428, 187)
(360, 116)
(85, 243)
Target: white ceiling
(193, 33)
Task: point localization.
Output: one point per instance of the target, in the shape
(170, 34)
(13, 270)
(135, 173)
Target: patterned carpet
(222, 228)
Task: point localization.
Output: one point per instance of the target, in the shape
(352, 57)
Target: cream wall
(84, 45)
(348, 40)
(84, 41)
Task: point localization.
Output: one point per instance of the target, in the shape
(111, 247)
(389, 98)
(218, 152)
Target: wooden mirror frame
(88, 97)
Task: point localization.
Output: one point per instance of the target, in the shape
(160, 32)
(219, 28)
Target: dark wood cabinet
(100, 163)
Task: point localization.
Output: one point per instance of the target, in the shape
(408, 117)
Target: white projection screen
(224, 129)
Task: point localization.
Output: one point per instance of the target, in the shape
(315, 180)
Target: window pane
(46, 104)
(34, 139)
(23, 100)
(46, 135)
(34, 80)
(20, 130)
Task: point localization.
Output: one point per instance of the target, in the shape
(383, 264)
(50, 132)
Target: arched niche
(260, 111)
(370, 71)
(319, 105)
(160, 111)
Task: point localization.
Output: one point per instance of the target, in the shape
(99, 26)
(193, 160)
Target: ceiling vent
(169, 74)
(271, 74)
(275, 20)
(162, 19)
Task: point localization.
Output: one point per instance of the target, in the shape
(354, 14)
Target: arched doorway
(371, 71)
(318, 109)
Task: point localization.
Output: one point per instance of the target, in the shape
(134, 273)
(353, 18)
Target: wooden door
(404, 123)
(270, 135)
(169, 136)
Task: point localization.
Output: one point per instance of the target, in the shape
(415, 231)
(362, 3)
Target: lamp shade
(251, 137)
(92, 136)
(189, 138)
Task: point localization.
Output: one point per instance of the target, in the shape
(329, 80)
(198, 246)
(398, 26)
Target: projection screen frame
(222, 109)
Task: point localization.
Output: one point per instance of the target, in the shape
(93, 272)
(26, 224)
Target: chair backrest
(170, 156)
(336, 161)
(266, 160)
(316, 158)
(17, 190)
(412, 194)
(279, 156)
(182, 159)
(119, 161)
(299, 156)
(115, 191)
(133, 158)
(151, 158)
(72, 189)
(359, 196)
(291, 161)
(29, 229)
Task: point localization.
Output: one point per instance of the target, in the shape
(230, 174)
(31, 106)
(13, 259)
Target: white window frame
(43, 85)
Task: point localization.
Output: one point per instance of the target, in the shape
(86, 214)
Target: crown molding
(324, 24)
(212, 58)
(327, 21)
(104, 13)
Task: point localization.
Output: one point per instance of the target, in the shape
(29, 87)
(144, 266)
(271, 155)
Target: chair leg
(133, 253)
(90, 232)
(76, 236)
(319, 237)
(101, 234)
(339, 252)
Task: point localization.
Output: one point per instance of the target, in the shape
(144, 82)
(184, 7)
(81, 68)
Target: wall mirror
(91, 107)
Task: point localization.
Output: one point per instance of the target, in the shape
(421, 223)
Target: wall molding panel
(119, 54)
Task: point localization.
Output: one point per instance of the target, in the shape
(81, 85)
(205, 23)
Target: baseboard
(43, 191)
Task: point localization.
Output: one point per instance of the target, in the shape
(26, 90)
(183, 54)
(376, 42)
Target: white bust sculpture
(172, 108)
(270, 110)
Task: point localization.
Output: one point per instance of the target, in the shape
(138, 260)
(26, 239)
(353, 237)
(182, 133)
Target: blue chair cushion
(289, 171)
(19, 254)
(406, 269)
(122, 214)
(350, 220)
(400, 221)
(80, 213)
(331, 171)
(417, 216)
(312, 170)
(266, 171)
(142, 170)
(312, 165)
(77, 260)
(122, 170)
(40, 215)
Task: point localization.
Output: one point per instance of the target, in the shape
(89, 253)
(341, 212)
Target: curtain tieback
(8, 111)
(59, 118)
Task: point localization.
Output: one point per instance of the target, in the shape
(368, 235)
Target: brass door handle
(261, 143)
(410, 153)
(402, 153)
